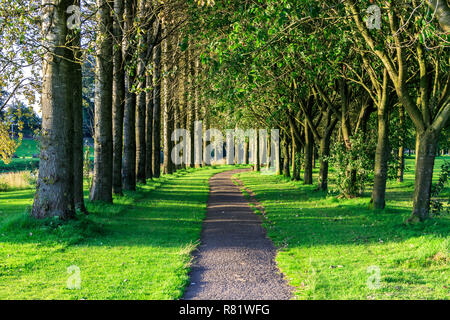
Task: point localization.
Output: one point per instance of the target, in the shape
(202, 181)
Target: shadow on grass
(302, 217)
(166, 212)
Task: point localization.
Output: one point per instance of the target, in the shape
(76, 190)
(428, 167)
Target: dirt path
(235, 259)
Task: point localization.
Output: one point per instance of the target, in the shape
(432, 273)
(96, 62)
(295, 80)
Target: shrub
(436, 204)
(353, 166)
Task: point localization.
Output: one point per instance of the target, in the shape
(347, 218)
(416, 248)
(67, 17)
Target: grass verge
(138, 248)
(332, 248)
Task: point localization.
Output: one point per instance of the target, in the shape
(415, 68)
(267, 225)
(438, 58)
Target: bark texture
(257, 158)
(156, 137)
(285, 151)
(129, 127)
(424, 174)
(383, 150)
(76, 82)
(102, 180)
(54, 189)
(118, 97)
(401, 148)
(308, 160)
(141, 103)
(168, 114)
(381, 160)
(149, 129)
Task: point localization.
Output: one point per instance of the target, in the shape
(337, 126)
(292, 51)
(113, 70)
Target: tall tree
(401, 147)
(54, 189)
(149, 128)
(256, 153)
(189, 104)
(129, 128)
(432, 110)
(168, 114)
(153, 37)
(141, 105)
(156, 137)
(76, 81)
(383, 149)
(102, 181)
(118, 96)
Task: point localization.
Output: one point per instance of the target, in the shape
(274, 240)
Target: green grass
(25, 160)
(326, 244)
(19, 164)
(27, 148)
(138, 248)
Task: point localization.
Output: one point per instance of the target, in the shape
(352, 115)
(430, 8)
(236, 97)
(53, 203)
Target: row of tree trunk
(144, 85)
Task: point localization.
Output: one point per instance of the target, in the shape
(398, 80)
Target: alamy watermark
(74, 20)
(374, 17)
(74, 280)
(374, 280)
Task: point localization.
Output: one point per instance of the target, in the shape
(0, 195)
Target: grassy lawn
(139, 248)
(27, 148)
(330, 248)
(25, 160)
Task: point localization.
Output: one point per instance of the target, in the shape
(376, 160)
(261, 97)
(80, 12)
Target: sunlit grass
(328, 245)
(138, 248)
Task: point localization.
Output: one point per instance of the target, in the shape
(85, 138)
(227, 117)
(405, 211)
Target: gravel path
(235, 260)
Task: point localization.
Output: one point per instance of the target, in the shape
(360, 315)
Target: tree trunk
(207, 127)
(141, 107)
(176, 115)
(285, 151)
(190, 106)
(184, 113)
(141, 103)
(325, 151)
(168, 114)
(118, 98)
(416, 151)
(246, 151)
(199, 154)
(324, 154)
(277, 150)
(55, 185)
(102, 181)
(129, 128)
(314, 158)
(295, 154)
(157, 112)
(381, 159)
(149, 129)
(76, 82)
(257, 166)
(269, 151)
(309, 149)
(401, 149)
(425, 154)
